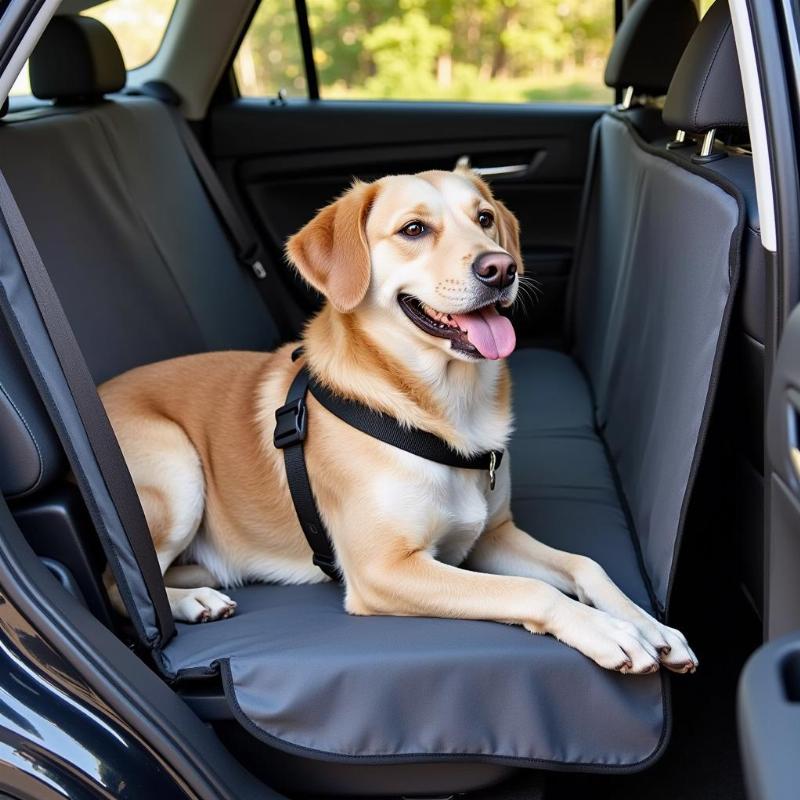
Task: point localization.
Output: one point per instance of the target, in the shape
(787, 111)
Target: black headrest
(706, 91)
(76, 58)
(649, 44)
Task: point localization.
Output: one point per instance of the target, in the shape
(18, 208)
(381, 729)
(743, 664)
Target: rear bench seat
(607, 441)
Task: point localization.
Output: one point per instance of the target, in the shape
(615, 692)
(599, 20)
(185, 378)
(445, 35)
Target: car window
(137, 25)
(472, 50)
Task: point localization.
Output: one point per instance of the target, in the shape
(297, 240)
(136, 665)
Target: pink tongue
(490, 333)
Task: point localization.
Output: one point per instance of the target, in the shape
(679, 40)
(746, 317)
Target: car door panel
(284, 161)
(769, 689)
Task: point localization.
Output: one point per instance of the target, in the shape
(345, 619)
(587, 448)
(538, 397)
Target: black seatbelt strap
(248, 248)
(291, 427)
(100, 435)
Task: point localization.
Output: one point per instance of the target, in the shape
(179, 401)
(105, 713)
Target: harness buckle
(290, 424)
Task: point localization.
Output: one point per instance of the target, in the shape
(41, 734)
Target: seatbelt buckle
(290, 424)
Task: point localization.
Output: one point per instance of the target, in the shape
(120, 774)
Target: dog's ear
(331, 251)
(508, 227)
(507, 224)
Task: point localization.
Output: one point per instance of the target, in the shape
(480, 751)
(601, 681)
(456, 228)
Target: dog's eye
(485, 219)
(413, 229)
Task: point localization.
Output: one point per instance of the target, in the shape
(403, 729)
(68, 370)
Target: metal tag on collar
(492, 466)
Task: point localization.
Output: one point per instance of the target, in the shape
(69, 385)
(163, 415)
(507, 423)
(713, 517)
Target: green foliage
(495, 50)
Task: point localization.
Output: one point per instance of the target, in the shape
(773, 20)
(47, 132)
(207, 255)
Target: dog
(413, 269)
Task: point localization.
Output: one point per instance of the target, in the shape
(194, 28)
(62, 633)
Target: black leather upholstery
(649, 44)
(706, 91)
(76, 58)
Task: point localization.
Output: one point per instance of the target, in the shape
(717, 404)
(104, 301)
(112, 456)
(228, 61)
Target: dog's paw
(200, 605)
(612, 643)
(674, 652)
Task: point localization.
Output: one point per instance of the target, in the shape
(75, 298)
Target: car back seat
(603, 459)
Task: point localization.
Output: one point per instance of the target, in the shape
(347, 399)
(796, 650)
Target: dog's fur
(197, 435)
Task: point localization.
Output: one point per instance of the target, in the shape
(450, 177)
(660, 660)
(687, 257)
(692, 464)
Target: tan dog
(197, 435)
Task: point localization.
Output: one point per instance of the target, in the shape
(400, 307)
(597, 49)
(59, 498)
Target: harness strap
(291, 421)
(291, 427)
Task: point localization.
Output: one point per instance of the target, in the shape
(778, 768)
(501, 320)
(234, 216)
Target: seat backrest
(137, 253)
(139, 258)
(653, 295)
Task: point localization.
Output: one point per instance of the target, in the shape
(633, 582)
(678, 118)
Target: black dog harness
(291, 426)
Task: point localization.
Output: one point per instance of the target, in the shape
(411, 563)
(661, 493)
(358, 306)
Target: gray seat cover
(310, 677)
(648, 327)
(652, 299)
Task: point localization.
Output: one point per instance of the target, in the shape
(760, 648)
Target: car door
(769, 690)
(286, 156)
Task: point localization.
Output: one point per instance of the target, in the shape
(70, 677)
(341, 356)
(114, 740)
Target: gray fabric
(650, 311)
(706, 90)
(134, 249)
(76, 57)
(649, 43)
(18, 304)
(311, 676)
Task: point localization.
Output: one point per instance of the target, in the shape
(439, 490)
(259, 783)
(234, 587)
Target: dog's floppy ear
(331, 251)
(507, 224)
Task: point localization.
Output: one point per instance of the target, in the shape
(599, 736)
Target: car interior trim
(751, 82)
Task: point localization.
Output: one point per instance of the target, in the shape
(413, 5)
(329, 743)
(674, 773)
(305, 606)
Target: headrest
(706, 91)
(649, 44)
(77, 58)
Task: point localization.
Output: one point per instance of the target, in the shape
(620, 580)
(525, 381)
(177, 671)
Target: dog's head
(432, 255)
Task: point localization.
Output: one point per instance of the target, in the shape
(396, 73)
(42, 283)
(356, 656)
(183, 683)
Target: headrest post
(706, 153)
(627, 99)
(679, 141)
(707, 146)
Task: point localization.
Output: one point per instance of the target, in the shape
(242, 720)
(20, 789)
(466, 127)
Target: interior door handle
(502, 171)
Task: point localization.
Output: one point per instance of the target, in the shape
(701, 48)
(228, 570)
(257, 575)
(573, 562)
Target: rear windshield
(137, 25)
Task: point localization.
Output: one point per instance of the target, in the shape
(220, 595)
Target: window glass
(271, 56)
(479, 50)
(137, 25)
(704, 6)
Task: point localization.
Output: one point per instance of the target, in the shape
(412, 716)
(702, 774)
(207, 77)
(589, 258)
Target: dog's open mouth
(481, 333)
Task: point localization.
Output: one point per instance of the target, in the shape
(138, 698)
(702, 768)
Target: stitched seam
(38, 480)
(708, 72)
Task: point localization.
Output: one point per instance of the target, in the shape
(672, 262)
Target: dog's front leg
(506, 550)
(415, 584)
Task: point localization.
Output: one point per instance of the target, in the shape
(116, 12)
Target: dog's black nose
(495, 269)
